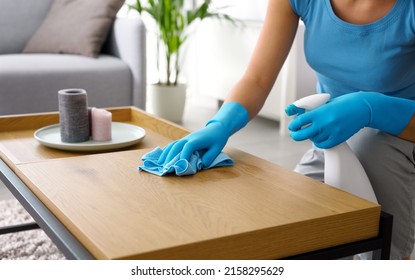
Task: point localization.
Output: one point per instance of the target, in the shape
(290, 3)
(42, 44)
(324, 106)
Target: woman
(363, 53)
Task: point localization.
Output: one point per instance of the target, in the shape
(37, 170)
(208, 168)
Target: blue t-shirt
(346, 57)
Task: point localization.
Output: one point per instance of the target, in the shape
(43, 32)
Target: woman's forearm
(272, 48)
(409, 131)
(250, 95)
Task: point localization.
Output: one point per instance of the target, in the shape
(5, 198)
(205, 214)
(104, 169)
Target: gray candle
(73, 115)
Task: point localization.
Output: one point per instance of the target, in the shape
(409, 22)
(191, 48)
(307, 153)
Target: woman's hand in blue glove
(211, 139)
(333, 123)
(338, 120)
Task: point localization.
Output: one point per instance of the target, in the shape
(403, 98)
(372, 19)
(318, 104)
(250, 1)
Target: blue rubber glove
(338, 120)
(211, 139)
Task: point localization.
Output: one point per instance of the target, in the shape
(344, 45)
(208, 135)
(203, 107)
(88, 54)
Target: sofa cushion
(31, 82)
(19, 19)
(75, 26)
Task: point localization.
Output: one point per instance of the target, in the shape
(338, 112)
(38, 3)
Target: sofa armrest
(127, 40)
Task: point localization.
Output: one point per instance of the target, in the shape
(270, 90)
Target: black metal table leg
(18, 228)
(385, 232)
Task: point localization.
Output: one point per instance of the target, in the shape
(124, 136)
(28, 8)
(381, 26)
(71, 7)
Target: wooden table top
(253, 210)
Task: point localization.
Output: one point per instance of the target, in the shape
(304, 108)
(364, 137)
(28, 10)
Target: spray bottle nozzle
(307, 103)
(292, 110)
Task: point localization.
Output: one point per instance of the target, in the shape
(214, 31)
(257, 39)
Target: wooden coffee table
(97, 205)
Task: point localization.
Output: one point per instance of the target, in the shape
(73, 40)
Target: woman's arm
(272, 48)
(409, 132)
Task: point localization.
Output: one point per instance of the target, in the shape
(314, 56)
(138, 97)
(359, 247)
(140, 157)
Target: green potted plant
(173, 21)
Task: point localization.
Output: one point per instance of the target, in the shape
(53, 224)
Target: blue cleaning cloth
(180, 167)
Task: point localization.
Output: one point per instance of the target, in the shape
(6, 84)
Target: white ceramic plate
(123, 135)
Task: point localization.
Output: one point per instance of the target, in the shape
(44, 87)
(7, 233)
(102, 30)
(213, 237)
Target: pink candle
(101, 124)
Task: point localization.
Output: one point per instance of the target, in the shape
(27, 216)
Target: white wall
(252, 10)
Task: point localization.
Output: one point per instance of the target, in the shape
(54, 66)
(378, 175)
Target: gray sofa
(30, 82)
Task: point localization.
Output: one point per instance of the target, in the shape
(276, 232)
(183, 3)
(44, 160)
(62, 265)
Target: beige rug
(25, 245)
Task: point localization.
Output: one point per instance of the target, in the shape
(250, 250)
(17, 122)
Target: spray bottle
(342, 169)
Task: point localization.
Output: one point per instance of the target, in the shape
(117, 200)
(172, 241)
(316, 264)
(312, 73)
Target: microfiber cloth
(180, 167)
